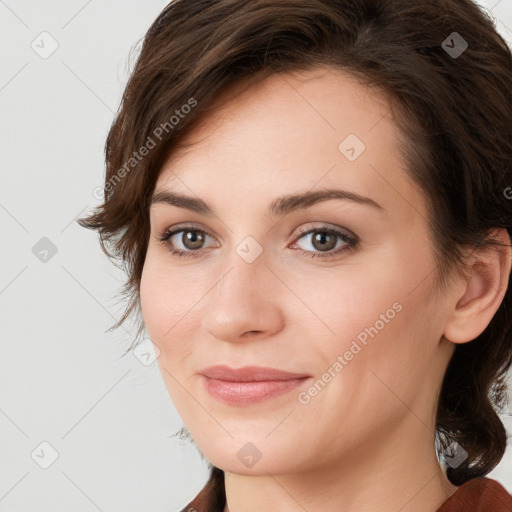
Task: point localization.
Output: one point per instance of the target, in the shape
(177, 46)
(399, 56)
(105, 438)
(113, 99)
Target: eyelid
(167, 233)
(325, 226)
(183, 227)
(351, 240)
(301, 229)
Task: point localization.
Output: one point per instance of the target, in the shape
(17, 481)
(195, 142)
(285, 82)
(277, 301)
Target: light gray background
(62, 378)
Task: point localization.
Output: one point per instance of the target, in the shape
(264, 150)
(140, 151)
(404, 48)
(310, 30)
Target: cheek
(166, 298)
(373, 368)
(165, 304)
(151, 300)
(349, 301)
(377, 326)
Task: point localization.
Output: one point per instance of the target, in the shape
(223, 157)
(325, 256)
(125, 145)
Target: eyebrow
(280, 206)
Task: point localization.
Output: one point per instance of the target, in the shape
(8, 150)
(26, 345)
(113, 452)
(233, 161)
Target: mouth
(250, 384)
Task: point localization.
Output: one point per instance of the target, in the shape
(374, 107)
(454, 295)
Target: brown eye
(192, 239)
(185, 241)
(324, 241)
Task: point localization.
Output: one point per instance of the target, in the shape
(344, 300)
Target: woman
(312, 200)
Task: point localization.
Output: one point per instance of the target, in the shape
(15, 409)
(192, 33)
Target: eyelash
(351, 242)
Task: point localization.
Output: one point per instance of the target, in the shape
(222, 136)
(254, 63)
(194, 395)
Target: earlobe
(482, 290)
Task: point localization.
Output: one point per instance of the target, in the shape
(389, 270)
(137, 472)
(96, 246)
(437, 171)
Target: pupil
(321, 237)
(193, 239)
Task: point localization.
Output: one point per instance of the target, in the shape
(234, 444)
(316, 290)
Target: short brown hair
(454, 111)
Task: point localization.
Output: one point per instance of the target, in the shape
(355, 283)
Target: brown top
(476, 495)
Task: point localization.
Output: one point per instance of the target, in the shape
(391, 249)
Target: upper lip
(249, 373)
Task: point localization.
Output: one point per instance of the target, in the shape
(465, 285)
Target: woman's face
(269, 285)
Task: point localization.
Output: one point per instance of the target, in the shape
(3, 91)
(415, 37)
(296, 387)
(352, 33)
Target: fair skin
(372, 426)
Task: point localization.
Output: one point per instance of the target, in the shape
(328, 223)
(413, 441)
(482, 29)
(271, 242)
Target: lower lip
(249, 392)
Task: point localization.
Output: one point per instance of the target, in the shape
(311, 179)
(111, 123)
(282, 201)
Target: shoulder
(479, 495)
(212, 496)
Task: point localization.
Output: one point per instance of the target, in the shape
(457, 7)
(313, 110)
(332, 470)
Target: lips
(249, 385)
(249, 374)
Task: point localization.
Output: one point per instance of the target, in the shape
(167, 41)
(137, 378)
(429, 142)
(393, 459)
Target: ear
(480, 294)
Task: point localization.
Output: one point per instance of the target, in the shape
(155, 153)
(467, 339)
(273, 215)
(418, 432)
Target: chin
(252, 458)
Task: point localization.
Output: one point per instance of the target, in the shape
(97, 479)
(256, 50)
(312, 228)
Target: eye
(187, 244)
(326, 239)
(188, 241)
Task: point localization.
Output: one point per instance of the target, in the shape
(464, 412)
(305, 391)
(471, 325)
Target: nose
(245, 303)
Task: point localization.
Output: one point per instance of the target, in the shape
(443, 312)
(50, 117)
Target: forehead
(289, 132)
(325, 98)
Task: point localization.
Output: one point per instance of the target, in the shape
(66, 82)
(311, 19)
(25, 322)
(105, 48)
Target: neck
(400, 474)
